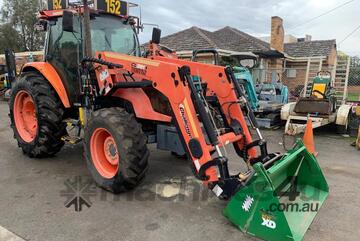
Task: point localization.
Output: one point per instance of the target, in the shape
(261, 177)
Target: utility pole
(86, 30)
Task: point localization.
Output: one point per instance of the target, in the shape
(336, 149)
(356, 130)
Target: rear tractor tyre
(115, 150)
(36, 115)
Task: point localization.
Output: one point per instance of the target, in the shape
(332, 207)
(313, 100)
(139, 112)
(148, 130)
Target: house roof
(226, 38)
(236, 40)
(310, 48)
(232, 39)
(189, 39)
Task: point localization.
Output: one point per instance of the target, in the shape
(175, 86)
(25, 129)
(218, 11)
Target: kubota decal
(191, 119)
(184, 119)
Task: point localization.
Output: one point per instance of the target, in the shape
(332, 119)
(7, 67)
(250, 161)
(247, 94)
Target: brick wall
(277, 34)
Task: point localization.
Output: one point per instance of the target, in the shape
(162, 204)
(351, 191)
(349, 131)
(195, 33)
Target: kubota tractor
(94, 79)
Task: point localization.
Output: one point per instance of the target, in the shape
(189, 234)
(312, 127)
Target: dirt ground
(33, 194)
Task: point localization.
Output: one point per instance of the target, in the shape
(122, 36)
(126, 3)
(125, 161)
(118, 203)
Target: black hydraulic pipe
(199, 105)
(101, 61)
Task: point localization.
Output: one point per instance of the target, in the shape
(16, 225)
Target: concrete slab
(33, 194)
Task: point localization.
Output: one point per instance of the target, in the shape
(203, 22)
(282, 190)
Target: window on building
(291, 73)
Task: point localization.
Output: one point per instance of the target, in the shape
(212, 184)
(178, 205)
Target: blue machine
(243, 75)
(277, 93)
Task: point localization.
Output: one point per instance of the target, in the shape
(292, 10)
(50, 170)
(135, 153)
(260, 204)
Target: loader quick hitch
(228, 185)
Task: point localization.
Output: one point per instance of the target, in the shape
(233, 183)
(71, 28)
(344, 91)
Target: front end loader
(94, 80)
(265, 100)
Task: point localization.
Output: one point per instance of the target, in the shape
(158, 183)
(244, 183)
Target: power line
(321, 15)
(349, 35)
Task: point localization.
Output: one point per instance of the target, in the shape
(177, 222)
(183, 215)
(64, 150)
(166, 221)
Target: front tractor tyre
(36, 115)
(115, 150)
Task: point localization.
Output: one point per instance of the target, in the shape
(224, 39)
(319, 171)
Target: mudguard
(48, 71)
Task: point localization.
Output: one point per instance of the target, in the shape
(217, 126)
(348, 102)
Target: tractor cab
(64, 46)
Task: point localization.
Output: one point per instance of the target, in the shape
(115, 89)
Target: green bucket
(280, 203)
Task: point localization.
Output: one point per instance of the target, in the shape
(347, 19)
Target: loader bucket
(280, 202)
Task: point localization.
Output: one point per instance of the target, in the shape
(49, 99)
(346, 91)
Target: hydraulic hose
(199, 105)
(241, 94)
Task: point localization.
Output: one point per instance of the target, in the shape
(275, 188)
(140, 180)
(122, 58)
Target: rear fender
(50, 74)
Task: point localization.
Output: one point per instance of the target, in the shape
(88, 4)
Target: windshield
(109, 33)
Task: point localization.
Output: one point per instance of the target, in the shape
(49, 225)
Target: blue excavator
(265, 99)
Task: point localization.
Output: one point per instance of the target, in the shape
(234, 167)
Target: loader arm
(164, 77)
(272, 172)
(174, 79)
(219, 84)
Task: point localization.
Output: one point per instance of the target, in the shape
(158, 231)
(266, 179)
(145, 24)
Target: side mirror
(156, 36)
(68, 21)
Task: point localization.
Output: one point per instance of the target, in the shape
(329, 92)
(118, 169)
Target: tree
(9, 38)
(22, 15)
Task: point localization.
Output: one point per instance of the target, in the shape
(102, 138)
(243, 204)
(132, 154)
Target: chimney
(308, 38)
(277, 34)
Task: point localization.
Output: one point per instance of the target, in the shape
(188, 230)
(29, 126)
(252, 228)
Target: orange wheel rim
(104, 153)
(25, 116)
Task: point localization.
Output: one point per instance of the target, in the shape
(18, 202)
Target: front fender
(50, 74)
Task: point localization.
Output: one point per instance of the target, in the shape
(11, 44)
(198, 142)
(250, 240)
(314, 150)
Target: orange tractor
(95, 79)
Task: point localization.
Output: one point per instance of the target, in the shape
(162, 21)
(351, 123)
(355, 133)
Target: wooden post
(320, 64)
(346, 80)
(307, 77)
(87, 31)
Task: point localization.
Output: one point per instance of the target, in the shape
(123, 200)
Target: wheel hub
(104, 153)
(110, 151)
(25, 116)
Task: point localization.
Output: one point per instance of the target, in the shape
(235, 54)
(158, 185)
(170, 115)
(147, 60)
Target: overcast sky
(253, 17)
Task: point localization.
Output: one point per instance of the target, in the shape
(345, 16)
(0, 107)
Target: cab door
(64, 52)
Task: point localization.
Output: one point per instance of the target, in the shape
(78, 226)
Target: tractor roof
(48, 14)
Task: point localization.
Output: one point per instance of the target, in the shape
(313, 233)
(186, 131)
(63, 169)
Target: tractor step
(72, 122)
(73, 140)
